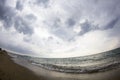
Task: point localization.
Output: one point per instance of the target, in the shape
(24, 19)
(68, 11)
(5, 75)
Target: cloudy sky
(59, 28)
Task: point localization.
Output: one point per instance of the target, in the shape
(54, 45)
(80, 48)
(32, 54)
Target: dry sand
(11, 71)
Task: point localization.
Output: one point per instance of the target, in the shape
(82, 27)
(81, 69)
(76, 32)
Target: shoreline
(15, 69)
(54, 75)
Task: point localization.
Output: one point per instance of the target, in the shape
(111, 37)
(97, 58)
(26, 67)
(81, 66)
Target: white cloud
(60, 28)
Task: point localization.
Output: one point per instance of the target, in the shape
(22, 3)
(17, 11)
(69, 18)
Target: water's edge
(88, 64)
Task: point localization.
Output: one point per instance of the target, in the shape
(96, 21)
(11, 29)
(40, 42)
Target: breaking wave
(88, 64)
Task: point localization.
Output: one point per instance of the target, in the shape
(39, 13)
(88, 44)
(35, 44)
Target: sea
(76, 65)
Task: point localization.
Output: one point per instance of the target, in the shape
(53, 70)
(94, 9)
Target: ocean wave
(88, 64)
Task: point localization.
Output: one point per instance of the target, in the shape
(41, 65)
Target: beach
(15, 69)
(12, 71)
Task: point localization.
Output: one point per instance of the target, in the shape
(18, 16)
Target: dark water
(88, 64)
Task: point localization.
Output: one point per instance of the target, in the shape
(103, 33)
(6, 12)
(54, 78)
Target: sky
(59, 28)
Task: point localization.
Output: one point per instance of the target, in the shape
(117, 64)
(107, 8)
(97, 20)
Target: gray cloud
(22, 26)
(15, 48)
(31, 17)
(9, 18)
(56, 23)
(43, 3)
(6, 14)
(19, 5)
(60, 25)
(111, 24)
(87, 27)
(71, 22)
(62, 31)
(115, 30)
(2, 3)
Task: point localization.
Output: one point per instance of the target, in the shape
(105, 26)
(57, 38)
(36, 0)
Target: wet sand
(10, 70)
(53, 75)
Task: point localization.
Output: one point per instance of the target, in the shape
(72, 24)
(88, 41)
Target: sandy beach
(10, 70)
